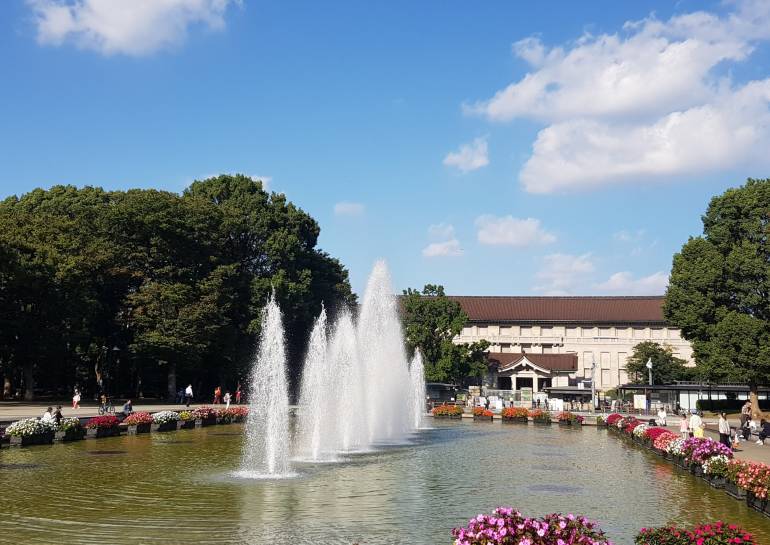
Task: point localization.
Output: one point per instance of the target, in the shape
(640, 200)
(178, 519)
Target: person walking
(218, 396)
(238, 394)
(227, 400)
(188, 394)
(180, 396)
(724, 430)
(684, 426)
(76, 399)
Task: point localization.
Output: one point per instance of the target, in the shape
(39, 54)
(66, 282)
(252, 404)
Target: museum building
(558, 344)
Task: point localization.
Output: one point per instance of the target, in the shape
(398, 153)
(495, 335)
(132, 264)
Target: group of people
(749, 425)
(52, 416)
(693, 426)
(186, 396)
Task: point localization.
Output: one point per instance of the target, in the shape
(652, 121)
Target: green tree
(666, 368)
(719, 290)
(431, 321)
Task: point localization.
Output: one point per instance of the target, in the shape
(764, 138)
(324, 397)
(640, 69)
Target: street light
(593, 383)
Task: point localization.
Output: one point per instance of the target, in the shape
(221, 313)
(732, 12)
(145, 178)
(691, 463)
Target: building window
(543, 383)
(505, 347)
(588, 332)
(526, 347)
(604, 332)
(468, 331)
(572, 332)
(622, 332)
(657, 333)
(640, 333)
(482, 330)
(622, 357)
(526, 331)
(604, 359)
(588, 358)
(674, 334)
(546, 331)
(548, 349)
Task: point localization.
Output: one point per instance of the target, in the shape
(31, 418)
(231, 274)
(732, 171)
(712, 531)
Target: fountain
(417, 379)
(266, 448)
(357, 388)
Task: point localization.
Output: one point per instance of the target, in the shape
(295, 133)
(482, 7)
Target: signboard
(526, 395)
(640, 401)
(556, 404)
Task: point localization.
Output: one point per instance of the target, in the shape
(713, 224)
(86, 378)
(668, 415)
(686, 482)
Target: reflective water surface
(179, 488)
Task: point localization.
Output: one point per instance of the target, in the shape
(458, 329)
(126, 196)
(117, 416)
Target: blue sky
(493, 147)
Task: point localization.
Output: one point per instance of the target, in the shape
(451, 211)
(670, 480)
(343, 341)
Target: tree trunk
(29, 381)
(171, 380)
(756, 413)
(7, 391)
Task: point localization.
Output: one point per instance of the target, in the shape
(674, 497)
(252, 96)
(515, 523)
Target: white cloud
(345, 208)
(561, 274)
(625, 283)
(448, 248)
(135, 27)
(625, 235)
(470, 157)
(510, 231)
(646, 103)
(441, 231)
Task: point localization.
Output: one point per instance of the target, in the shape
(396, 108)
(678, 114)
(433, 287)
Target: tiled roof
(563, 309)
(552, 362)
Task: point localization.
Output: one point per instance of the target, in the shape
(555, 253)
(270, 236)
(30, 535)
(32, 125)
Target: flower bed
(186, 420)
(715, 470)
(206, 415)
(102, 426)
(447, 411)
(515, 414)
(540, 417)
(138, 422)
(718, 533)
(613, 419)
(507, 526)
(601, 421)
(480, 413)
(69, 429)
(233, 414)
(165, 421)
(567, 418)
(30, 431)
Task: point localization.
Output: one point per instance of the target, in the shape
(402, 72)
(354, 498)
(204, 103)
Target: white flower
(29, 427)
(164, 417)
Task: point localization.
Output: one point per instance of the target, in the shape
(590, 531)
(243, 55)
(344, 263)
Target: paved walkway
(11, 411)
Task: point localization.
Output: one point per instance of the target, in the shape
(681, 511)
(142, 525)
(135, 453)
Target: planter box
(668, 456)
(166, 426)
(28, 440)
(449, 417)
(482, 418)
(69, 435)
(601, 424)
(138, 428)
(185, 424)
(696, 469)
(733, 490)
(716, 482)
(542, 422)
(757, 504)
(518, 420)
(98, 433)
(202, 423)
(239, 419)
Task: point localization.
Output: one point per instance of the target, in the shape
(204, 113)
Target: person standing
(227, 400)
(661, 421)
(764, 431)
(57, 416)
(188, 394)
(696, 425)
(724, 430)
(684, 426)
(745, 413)
(238, 394)
(76, 399)
(218, 396)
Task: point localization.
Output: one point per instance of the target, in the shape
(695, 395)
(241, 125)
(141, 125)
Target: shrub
(481, 411)
(507, 526)
(447, 410)
(515, 412)
(103, 422)
(164, 417)
(717, 533)
(30, 426)
(134, 419)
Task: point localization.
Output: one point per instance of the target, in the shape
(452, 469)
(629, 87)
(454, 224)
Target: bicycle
(106, 408)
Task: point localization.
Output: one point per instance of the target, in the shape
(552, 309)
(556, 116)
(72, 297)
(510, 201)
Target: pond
(179, 488)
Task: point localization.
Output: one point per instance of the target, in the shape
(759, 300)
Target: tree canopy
(431, 321)
(719, 290)
(127, 290)
(666, 368)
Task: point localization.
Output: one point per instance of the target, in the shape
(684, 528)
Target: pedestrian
(57, 416)
(188, 394)
(227, 400)
(76, 399)
(217, 395)
(745, 412)
(180, 396)
(238, 394)
(764, 431)
(696, 425)
(128, 407)
(48, 415)
(724, 430)
(684, 426)
(661, 420)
